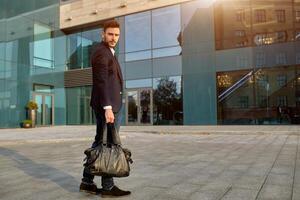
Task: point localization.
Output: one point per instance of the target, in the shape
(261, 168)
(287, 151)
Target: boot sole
(112, 196)
(87, 191)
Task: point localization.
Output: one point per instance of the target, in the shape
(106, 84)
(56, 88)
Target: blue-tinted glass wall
(31, 51)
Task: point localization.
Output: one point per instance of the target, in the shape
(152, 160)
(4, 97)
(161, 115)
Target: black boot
(89, 188)
(114, 192)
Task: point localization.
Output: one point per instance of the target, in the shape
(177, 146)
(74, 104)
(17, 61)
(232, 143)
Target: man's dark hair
(111, 24)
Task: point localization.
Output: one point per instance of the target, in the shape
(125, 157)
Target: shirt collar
(112, 51)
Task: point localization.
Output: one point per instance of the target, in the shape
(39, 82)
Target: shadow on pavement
(41, 171)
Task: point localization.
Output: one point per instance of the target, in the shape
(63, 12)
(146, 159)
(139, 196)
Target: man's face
(111, 36)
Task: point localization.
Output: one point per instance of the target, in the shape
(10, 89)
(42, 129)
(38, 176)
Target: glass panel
(171, 51)
(249, 18)
(39, 114)
(78, 106)
(89, 38)
(140, 55)
(263, 96)
(167, 97)
(140, 83)
(43, 88)
(138, 32)
(145, 96)
(166, 26)
(74, 48)
(43, 50)
(85, 111)
(132, 98)
(48, 110)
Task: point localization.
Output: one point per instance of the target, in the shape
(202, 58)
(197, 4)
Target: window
(282, 101)
(280, 15)
(240, 15)
(79, 47)
(281, 80)
(42, 47)
(138, 36)
(139, 83)
(260, 16)
(298, 58)
(241, 44)
(153, 34)
(242, 61)
(260, 59)
(262, 101)
(88, 39)
(297, 13)
(166, 31)
(281, 59)
(263, 81)
(244, 101)
(239, 33)
(167, 101)
(42, 88)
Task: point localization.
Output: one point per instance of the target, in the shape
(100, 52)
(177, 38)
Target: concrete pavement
(216, 163)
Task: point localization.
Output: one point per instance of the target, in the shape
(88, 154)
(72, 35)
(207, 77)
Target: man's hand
(109, 116)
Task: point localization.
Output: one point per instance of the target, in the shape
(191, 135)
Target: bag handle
(115, 135)
(105, 130)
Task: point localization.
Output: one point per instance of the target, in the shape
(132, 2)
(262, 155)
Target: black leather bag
(108, 159)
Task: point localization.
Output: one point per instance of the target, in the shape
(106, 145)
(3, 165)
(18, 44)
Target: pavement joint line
(267, 174)
(219, 132)
(295, 167)
(225, 192)
(8, 142)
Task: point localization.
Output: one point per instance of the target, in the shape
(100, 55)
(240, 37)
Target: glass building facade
(195, 63)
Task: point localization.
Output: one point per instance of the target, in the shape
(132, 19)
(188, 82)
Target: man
(106, 101)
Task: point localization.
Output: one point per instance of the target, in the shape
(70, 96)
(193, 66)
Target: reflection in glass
(164, 52)
(138, 32)
(260, 96)
(78, 105)
(43, 48)
(86, 115)
(139, 55)
(74, 48)
(167, 97)
(258, 20)
(164, 32)
(132, 106)
(139, 83)
(80, 46)
(39, 113)
(89, 38)
(48, 110)
(166, 26)
(145, 102)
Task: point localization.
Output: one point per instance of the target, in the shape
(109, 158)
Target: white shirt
(113, 52)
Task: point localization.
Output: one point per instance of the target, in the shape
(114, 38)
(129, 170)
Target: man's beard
(108, 43)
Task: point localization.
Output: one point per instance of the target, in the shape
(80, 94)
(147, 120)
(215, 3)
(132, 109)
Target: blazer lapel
(119, 71)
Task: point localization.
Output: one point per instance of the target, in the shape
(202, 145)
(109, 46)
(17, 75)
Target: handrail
(235, 86)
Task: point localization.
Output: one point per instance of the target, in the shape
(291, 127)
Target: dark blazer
(107, 79)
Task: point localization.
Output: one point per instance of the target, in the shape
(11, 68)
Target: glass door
(139, 107)
(39, 114)
(45, 112)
